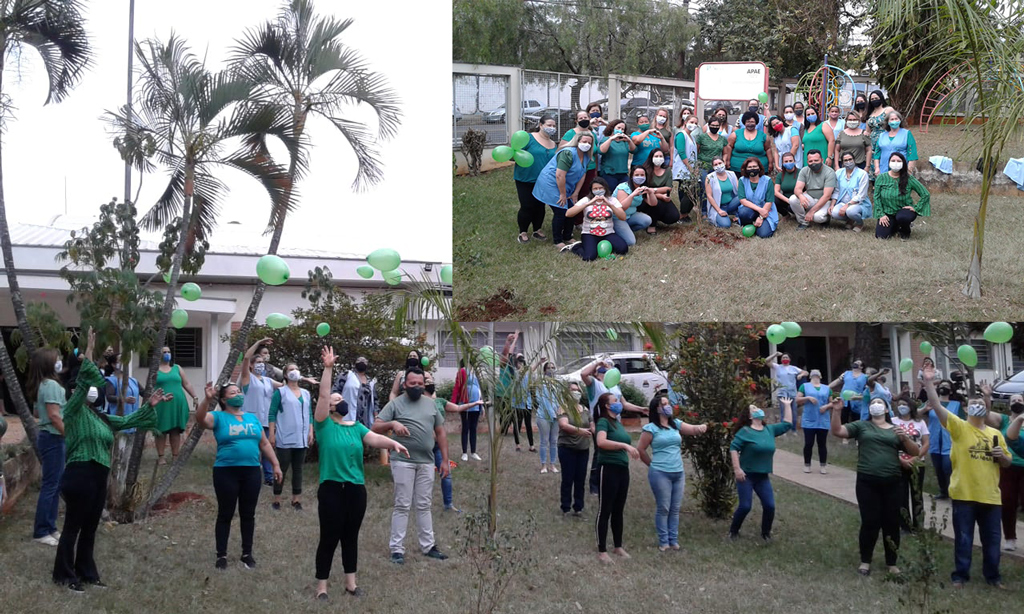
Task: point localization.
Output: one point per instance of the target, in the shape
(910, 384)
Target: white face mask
(896, 166)
(294, 375)
(692, 126)
(789, 116)
(661, 120)
(877, 409)
(92, 395)
(658, 161)
(576, 394)
(904, 410)
(584, 147)
(977, 409)
(598, 192)
(58, 366)
(720, 168)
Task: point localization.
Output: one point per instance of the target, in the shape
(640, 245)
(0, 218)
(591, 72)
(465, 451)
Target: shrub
(473, 142)
(496, 561)
(920, 576)
(633, 394)
(444, 389)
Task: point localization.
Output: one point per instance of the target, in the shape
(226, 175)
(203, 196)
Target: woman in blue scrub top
(559, 183)
(856, 380)
(817, 419)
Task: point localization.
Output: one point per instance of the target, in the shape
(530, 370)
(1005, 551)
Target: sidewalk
(15, 431)
(840, 483)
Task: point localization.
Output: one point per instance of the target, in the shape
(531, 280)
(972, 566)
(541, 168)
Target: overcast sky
(410, 210)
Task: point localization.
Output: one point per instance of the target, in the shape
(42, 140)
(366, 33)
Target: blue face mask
(788, 165)
(167, 357)
(894, 124)
(812, 118)
(618, 131)
(596, 114)
(666, 410)
(757, 414)
(615, 409)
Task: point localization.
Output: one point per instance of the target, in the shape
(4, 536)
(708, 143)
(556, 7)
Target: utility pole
(128, 95)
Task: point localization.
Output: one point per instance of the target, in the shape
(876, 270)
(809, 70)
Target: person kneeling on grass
(631, 194)
(443, 406)
(815, 187)
(341, 498)
(757, 202)
(752, 449)
(722, 189)
(852, 202)
(894, 205)
(599, 211)
(614, 449)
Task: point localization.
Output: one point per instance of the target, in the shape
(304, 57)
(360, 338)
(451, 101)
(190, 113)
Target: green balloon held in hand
(425, 361)
(793, 330)
(763, 97)
(847, 395)
(604, 248)
(384, 259)
(446, 274)
(191, 291)
(502, 153)
(524, 159)
(179, 318)
(776, 333)
(749, 230)
(278, 320)
(272, 270)
(323, 329)
(998, 332)
(906, 365)
(612, 377)
(926, 348)
(365, 271)
(967, 355)
(520, 139)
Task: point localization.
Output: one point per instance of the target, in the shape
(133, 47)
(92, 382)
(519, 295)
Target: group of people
(614, 184)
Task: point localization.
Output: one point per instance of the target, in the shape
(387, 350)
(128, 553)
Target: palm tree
(982, 44)
(185, 116)
(55, 30)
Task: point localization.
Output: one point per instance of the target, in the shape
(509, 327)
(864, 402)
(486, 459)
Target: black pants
(561, 228)
(341, 506)
(521, 416)
(469, 426)
(613, 488)
(531, 210)
(236, 486)
(782, 205)
(294, 458)
(595, 475)
(685, 204)
(574, 476)
(822, 437)
(847, 414)
(665, 212)
(912, 485)
(84, 488)
(899, 223)
(588, 248)
(879, 503)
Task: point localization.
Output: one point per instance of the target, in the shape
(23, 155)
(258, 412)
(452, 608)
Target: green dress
(171, 414)
(744, 149)
(815, 139)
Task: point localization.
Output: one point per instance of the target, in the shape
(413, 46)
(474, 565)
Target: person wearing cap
(817, 402)
(855, 380)
(879, 485)
(752, 450)
(592, 377)
(977, 453)
(785, 375)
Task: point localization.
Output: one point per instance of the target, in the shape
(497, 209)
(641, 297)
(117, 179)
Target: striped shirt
(888, 199)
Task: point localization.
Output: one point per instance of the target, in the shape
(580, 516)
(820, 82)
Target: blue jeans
(626, 228)
(943, 471)
(446, 483)
(548, 440)
(268, 469)
(730, 208)
(755, 483)
(668, 497)
(615, 180)
(746, 216)
(965, 514)
(854, 213)
(51, 454)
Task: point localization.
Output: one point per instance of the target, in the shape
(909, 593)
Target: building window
(449, 358)
(981, 347)
(573, 346)
(1018, 360)
(186, 348)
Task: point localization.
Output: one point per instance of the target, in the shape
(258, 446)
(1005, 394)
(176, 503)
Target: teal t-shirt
(541, 156)
(644, 149)
(341, 450)
(757, 448)
(50, 393)
(616, 161)
(616, 432)
(666, 447)
(727, 192)
(1018, 457)
(238, 440)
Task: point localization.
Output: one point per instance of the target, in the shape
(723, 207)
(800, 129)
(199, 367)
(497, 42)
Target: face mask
(584, 147)
(661, 120)
(977, 410)
(812, 118)
(361, 367)
(618, 131)
(896, 166)
(751, 126)
(598, 192)
(294, 375)
(58, 366)
(789, 116)
(849, 165)
(236, 401)
(659, 161)
(693, 127)
(720, 168)
(798, 112)
(430, 388)
(615, 409)
(414, 393)
(752, 108)
(874, 103)
(549, 373)
(644, 127)
(259, 368)
(411, 363)
(753, 172)
(576, 394)
(595, 114)
(167, 357)
(341, 407)
(789, 165)
(666, 410)
(877, 409)
(944, 392)
(583, 123)
(757, 414)
(92, 395)
(1017, 408)
(859, 106)
(639, 180)
(110, 358)
(785, 361)
(549, 130)
(713, 129)
(894, 124)
(815, 166)
(903, 409)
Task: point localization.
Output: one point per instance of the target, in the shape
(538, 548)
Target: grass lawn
(960, 143)
(166, 564)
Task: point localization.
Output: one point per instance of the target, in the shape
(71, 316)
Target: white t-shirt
(598, 218)
(916, 430)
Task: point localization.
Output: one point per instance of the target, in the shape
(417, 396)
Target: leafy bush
(633, 394)
(920, 576)
(497, 560)
(444, 389)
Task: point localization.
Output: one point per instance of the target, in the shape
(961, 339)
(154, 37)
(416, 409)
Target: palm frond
(56, 31)
(360, 87)
(364, 146)
(206, 202)
(169, 205)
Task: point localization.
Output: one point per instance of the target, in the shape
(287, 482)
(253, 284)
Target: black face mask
(414, 393)
(430, 388)
(859, 106)
(411, 363)
(583, 123)
(713, 129)
(361, 367)
(1017, 408)
(798, 112)
(875, 103)
(753, 173)
(816, 167)
(944, 392)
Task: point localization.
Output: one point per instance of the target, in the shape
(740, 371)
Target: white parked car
(638, 369)
(497, 116)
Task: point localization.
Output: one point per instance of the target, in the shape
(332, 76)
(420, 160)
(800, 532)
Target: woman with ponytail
(752, 450)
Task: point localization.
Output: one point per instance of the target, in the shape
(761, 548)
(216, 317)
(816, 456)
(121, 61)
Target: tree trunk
(18, 396)
(867, 344)
(123, 444)
(972, 285)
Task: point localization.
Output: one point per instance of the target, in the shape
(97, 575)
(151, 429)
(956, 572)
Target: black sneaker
(296, 506)
(434, 553)
(734, 536)
(275, 506)
(75, 587)
(398, 558)
(248, 561)
(767, 539)
(222, 562)
(96, 584)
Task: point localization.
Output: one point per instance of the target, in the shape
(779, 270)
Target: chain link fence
(479, 102)
(561, 96)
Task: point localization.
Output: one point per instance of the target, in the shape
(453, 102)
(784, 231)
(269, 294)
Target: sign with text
(731, 80)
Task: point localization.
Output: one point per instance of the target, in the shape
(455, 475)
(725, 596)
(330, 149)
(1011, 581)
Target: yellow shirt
(975, 472)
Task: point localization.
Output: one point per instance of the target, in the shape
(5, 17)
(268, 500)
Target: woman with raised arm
(879, 475)
(614, 449)
(258, 387)
(236, 469)
(341, 498)
(752, 450)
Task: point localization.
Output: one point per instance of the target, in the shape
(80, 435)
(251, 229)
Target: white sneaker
(1010, 545)
(465, 457)
(543, 469)
(475, 456)
(55, 535)
(823, 471)
(554, 469)
(46, 540)
(807, 468)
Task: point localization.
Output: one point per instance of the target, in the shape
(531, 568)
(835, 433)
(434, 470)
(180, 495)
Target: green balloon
(520, 139)
(272, 270)
(191, 291)
(167, 277)
(847, 395)
(524, 159)
(604, 248)
(323, 328)
(365, 271)
(384, 259)
(906, 365)
(763, 97)
(776, 333)
(998, 332)
(926, 348)
(425, 361)
(278, 320)
(967, 355)
(446, 274)
(749, 230)
(612, 334)
(502, 153)
(179, 318)
(393, 277)
(612, 377)
(793, 329)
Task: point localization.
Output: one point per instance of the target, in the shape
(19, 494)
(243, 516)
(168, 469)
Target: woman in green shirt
(89, 434)
(879, 475)
(542, 147)
(752, 449)
(894, 206)
(818, 135)
(709, 146)
(614, 449)
(341, 499)
(785, 184)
